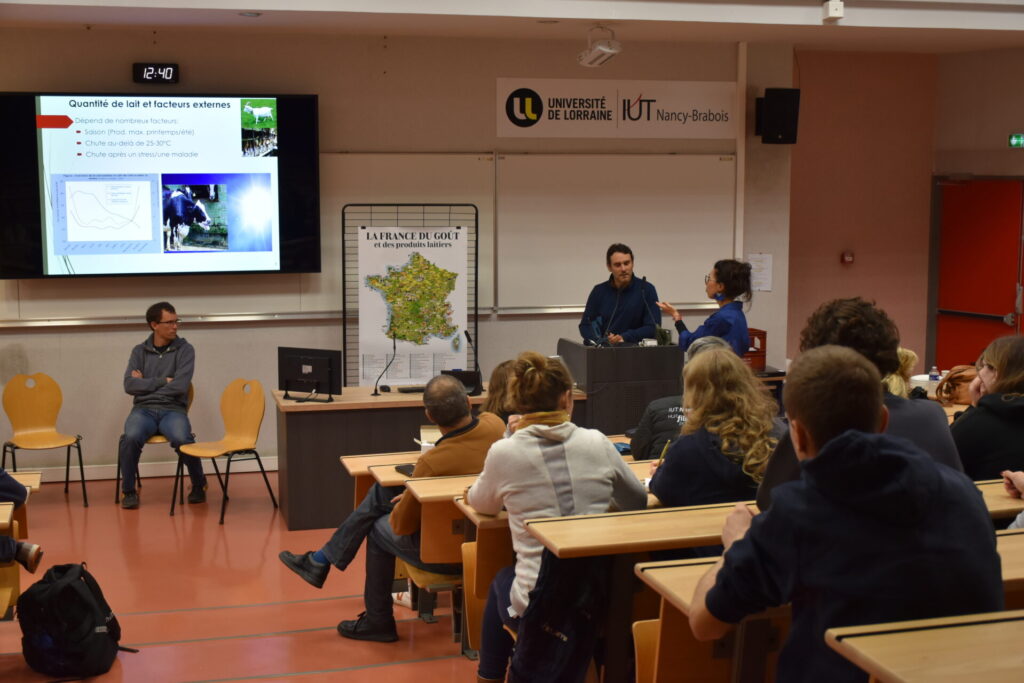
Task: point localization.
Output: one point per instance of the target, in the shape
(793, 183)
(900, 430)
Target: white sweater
(544, 471)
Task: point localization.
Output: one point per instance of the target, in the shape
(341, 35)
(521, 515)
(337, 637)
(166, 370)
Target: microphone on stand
(394, 347)
(478, 389)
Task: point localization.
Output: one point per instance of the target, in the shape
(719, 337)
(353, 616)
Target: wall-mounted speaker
(776, 115)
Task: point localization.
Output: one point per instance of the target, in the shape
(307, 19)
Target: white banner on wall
(585, 108)
(414, 288)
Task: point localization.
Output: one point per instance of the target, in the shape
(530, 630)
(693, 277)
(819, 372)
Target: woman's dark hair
(735, 277)
(859, 325)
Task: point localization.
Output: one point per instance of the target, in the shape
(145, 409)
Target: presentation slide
(138, 184)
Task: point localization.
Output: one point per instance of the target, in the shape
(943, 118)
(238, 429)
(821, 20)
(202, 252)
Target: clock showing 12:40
(150, 72)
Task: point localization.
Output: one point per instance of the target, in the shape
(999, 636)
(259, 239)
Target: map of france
(416, 295)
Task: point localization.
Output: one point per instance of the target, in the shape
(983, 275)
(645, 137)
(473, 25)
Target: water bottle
(933, 380)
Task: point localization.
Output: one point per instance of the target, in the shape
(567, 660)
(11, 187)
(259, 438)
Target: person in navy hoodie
(621, 309)
(727, 283)
(874, 531)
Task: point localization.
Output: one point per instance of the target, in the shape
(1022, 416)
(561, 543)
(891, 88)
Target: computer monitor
(309, 371)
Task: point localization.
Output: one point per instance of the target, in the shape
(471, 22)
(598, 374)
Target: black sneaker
(360, 628)
(129, 501)
(312, 573)
(197, 495)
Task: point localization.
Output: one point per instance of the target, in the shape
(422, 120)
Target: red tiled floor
(206, 602)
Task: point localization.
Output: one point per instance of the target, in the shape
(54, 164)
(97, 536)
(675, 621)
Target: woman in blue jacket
(727, 283)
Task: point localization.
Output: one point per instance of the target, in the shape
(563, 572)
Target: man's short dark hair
(617, 248)
(858, 324)
(446, 400)
(830, 389)
(156, 311)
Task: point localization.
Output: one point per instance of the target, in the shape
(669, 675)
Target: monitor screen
(308, 370)
(159, 184)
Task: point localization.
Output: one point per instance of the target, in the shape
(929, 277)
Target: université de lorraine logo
(524, 107)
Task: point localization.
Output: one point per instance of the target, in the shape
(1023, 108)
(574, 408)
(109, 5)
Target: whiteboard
(557, 214)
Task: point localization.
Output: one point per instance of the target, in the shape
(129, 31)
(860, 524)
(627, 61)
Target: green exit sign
(1017, 140)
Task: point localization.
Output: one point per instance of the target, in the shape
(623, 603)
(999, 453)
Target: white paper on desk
(760, 272)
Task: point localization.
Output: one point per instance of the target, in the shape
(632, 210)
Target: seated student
(498, 400)
(664, 417)
(549, 467)
(730, 432)
(389, 518)
(28, 554)
(898, 383)
(874, 531)
(865, 328)
(990, 434)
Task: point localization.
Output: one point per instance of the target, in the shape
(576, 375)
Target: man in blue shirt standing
(621, 309)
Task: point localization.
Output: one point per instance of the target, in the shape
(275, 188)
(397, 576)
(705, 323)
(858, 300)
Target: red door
(979, 295)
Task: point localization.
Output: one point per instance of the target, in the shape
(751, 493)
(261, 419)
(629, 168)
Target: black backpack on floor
(67, 626)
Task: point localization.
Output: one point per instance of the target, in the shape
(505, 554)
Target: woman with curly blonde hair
(730, 432)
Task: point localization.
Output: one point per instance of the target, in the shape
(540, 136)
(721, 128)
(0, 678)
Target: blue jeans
(143, 423)
(345, 541)
(383, 545)
(495, 642)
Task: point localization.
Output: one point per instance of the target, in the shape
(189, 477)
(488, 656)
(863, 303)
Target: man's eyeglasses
(708, 278)
(170, 322)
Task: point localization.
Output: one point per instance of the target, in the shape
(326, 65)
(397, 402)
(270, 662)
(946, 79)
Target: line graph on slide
(106, 210)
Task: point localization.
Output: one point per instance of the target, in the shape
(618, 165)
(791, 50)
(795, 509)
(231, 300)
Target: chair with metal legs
(32, 404)
(242, 406)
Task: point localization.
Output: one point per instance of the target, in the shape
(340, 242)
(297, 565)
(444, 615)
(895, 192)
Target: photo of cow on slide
(194, 218)
(259, 127)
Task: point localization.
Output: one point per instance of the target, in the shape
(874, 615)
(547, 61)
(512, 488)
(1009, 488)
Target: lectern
(621, 380)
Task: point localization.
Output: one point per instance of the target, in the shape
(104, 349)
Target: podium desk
(313, 492)
(621, 380)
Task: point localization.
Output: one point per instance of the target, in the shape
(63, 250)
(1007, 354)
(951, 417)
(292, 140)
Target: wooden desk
(358, 467)
(314, 493)
(680, 657)
(980, 647)
(6, 519)
(441, 522)
(675, 581)
(30, 480)
(616, 533)
(387, 475)
(1000, 504)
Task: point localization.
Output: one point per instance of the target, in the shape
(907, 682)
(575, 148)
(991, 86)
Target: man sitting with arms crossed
(874, 531)
(392, 530)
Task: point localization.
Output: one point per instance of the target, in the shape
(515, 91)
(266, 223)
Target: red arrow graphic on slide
(53, 121)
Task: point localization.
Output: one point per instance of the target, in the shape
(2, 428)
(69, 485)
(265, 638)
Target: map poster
(413, 287)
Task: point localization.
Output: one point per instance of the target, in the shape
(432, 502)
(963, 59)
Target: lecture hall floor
(205, 602)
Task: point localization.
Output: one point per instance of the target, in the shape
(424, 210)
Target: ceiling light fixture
(599, 51)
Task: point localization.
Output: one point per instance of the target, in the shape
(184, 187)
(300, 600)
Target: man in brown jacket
(389, 518)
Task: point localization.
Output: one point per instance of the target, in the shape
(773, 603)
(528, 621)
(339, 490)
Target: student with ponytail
(728, 283)
(548, 467)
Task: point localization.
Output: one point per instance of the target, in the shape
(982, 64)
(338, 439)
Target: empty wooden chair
(32, 404)
(241, 407)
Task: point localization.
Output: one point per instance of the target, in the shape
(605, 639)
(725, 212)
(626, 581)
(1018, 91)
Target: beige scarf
(547, 417)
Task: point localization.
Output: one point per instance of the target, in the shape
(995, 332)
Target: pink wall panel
(861, 181)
